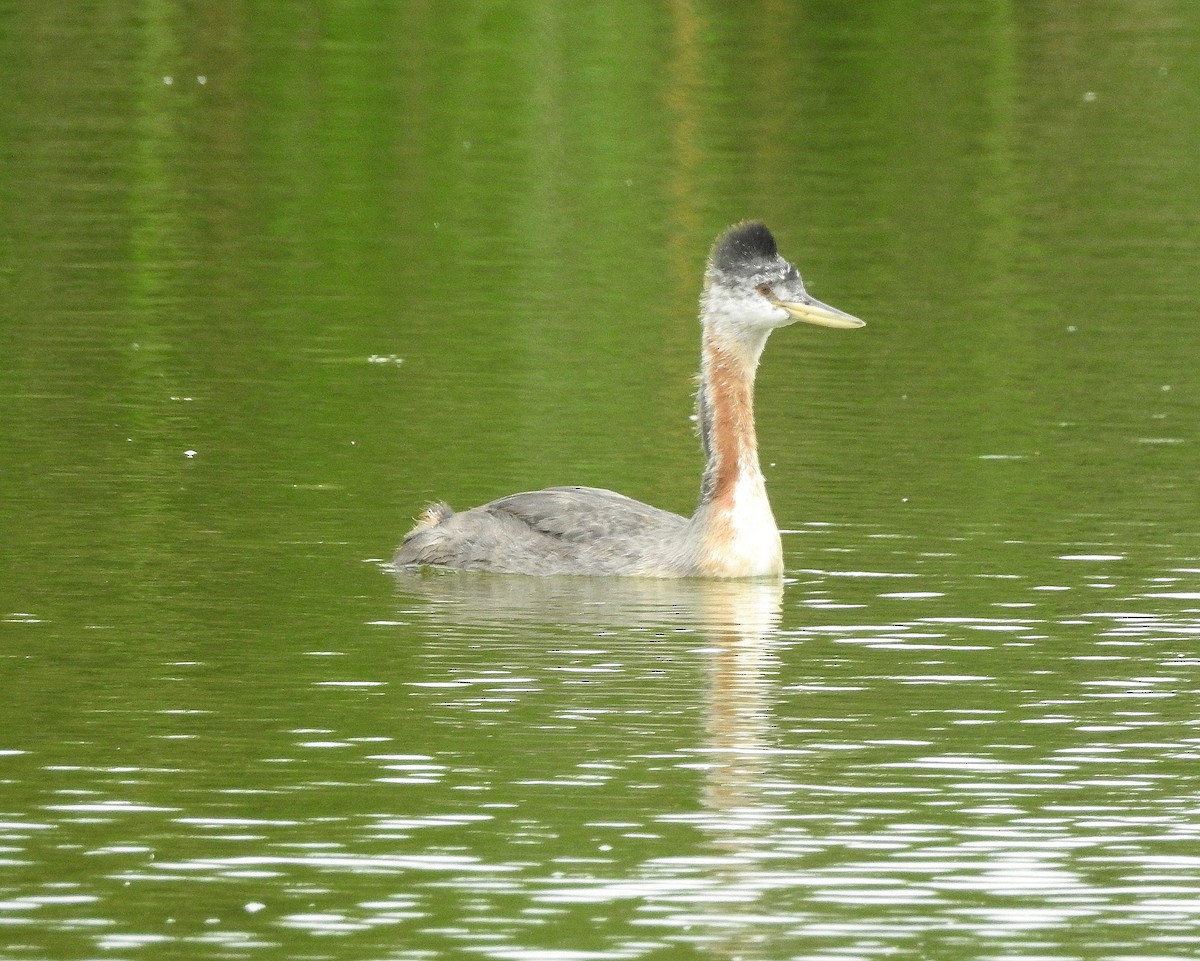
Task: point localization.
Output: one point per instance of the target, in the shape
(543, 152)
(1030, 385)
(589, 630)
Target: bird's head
(748, 285)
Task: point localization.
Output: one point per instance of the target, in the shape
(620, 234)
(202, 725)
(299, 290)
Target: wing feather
(585, 514)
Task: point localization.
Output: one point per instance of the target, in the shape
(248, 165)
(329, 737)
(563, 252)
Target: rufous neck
(725, 410)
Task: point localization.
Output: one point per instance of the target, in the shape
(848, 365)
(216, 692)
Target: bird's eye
(765, 290)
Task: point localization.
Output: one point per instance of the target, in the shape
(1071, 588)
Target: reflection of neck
(740, 728)
(736, 528)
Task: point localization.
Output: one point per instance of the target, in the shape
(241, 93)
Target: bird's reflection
(720, 610)
(737, 623)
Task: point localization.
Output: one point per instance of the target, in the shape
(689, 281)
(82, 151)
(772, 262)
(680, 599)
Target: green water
(274, 276)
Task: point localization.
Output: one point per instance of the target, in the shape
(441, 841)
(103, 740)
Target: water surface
(274, 279)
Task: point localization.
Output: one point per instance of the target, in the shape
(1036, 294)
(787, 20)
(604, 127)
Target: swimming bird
(749, 290)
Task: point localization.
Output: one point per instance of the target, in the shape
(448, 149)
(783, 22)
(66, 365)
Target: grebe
(749, 290)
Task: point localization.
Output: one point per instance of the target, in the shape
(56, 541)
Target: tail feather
(433, 515)
(415, 547)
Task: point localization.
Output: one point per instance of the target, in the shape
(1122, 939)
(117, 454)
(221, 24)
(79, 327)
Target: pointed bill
(814, 312)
